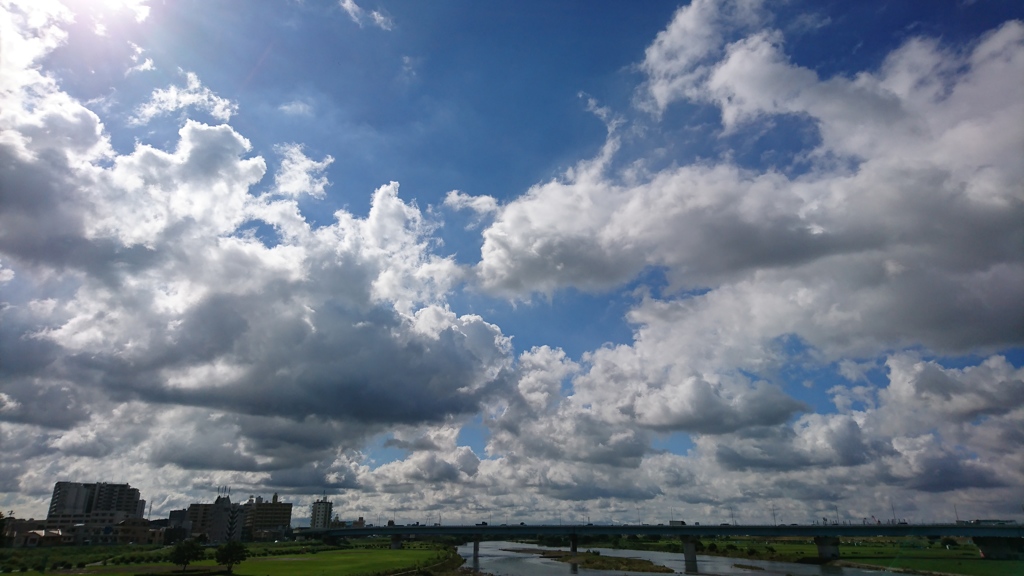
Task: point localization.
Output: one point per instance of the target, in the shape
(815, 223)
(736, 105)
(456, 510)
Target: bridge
(993, 540)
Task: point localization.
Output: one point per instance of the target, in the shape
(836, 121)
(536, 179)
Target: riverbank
(953, 557)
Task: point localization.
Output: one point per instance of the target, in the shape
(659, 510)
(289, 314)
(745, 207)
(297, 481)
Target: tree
(185, 552)
(231, 553)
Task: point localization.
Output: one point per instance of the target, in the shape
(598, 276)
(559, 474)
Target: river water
(501, 563)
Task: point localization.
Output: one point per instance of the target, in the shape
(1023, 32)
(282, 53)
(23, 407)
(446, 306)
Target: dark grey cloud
(24, 443)
(202, 454)
(804, 491)
(707, 411)
(42, 223)
(24, 355)
(433, 469)
(9, 477)
(361, 375)
(570, 436)
(286, 439)
(589, 488)
(313, 477)
(969, 400)
(55, 403)
(815, 441)
(417, 444)
(37, 223)
(732, 459)
(947, 472)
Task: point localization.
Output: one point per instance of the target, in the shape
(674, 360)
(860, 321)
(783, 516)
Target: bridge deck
(807, 531)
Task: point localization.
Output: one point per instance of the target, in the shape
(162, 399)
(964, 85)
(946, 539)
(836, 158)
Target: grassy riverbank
(367, 557)
(920, 555)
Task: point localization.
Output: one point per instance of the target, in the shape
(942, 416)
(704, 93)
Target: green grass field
(339, 562)
(923, 561)
(369, 559)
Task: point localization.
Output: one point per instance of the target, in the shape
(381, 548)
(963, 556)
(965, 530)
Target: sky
(459, 261)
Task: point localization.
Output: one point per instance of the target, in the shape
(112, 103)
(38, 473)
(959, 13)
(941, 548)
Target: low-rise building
(16, 532)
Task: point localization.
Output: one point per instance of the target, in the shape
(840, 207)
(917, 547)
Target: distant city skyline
(712, 260)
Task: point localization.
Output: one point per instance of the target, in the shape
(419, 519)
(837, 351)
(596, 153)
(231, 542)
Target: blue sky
(537, 256)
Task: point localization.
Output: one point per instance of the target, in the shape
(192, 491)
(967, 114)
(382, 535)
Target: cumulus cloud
(268, 363)
(479, 204)
(193, 95)
(298, 173)
(903, 243)
(146, 326)
(917, 243)
(682, 55)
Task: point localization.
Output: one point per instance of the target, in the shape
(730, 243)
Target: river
(496, 561)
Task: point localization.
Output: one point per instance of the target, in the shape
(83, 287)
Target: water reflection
(494, 560)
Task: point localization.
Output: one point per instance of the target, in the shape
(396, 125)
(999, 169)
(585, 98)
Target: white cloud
(193, 95)
(360, 15)
(825, 244)
(296, 108)
(682, 55)
(141, 262)
(142, 311)
(852, 259)
(299, 174)
(144, 65)
(482, 206)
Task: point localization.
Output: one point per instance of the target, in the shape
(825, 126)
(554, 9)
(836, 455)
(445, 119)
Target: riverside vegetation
(920, 555)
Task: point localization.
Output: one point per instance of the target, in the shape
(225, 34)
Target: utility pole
(774, 522)
(837, 513)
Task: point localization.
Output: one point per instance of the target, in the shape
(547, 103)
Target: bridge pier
(476, 547)
(828, 547)
(689, 554)
(573, 543)
(1000, 548)
(396, 542)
